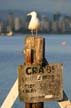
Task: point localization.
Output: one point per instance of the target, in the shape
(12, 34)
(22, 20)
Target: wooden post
(34, 105)
(34, 54)
(34, 50)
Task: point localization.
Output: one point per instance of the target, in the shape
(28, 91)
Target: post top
(30, 36)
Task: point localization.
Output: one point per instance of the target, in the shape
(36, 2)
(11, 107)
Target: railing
(11, 97)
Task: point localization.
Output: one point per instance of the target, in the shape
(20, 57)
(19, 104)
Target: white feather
(34, 22)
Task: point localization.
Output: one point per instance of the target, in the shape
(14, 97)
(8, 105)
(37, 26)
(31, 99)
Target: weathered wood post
(34, 105)
(34, 50)
(38, 81)
(34, 53)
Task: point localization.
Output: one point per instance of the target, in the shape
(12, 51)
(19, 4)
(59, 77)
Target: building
(17, 24)
(1, 26)
(56, 16)
(66, 25)
(10, 21)
(45, 24)
(54, 26)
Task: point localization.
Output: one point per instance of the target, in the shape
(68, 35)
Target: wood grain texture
(34, 48)
(34, 51)
(65, 103)
(11, 97)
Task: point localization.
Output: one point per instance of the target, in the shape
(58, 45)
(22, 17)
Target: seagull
(34, 23)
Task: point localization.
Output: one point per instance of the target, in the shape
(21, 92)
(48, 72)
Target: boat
(10, 33)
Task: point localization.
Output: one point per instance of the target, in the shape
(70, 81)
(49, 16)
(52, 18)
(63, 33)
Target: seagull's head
(33, 13)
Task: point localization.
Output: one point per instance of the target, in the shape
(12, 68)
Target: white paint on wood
(11, 97)
(49, 96)
(65, 104)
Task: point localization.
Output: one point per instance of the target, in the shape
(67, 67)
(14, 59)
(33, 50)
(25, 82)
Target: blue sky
(42, 5)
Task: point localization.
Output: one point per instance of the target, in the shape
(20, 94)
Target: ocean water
(57, 50)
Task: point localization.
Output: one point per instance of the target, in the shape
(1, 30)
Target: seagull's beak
(28, 14)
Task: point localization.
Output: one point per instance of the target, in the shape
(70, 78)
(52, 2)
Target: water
(58, 50)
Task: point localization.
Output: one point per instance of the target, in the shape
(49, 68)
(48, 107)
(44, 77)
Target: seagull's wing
(34, 24)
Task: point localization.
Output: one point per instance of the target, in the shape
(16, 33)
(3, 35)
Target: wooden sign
(39, 84)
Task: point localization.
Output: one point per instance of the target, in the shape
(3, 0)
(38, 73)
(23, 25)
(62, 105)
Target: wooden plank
(13, 94)
(65, 103)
